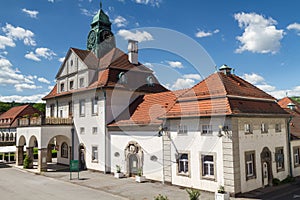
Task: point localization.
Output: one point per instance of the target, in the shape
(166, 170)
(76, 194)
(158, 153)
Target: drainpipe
(105, 133)
(289, 144)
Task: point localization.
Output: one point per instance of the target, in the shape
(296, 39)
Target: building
(108, 109)
(293, 107)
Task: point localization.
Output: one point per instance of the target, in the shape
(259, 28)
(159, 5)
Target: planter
(222, 196)
(140, 179)
(119, 175)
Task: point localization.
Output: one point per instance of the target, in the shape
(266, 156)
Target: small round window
(122, 78)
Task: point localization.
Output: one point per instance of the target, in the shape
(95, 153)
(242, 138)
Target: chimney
(225, 69)
(133, 51)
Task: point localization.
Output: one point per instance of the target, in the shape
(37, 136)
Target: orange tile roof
(13, 112)
(147, 109)
(295, 114)
(221, 94)
(111, 65)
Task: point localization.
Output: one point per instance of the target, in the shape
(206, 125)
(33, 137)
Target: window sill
(248, 133)
(183, 174)
(280, 170)
(81, 115)
(94, 114)
(94, 161)
(250, 177)
(209, 178)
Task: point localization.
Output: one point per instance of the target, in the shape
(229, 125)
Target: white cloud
(201, 34)
(23, 99)
(40, 53)
(43, 80)
(294, 26)
(6, 41)
(253, 78)
(154, 3)
(21, 86)
(51, 1)
(175, 64)
(260, 34)
(61, 59)
(88, 13)
(32, 56)
(139, 36)
(120, 21)
(192, 76)
(19, 33)
(31, 13)
(50, 87)
(182, 83)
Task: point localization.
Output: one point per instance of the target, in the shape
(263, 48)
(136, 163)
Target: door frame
(266, 157)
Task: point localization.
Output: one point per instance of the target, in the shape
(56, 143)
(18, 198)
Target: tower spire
(100, 5)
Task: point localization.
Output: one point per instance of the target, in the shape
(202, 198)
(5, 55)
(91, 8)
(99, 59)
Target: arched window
(7, 137)
(12, 138)
(150, 81)
(122, 78)
(64, 150)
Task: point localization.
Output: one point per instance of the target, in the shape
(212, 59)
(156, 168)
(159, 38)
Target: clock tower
(100, 39)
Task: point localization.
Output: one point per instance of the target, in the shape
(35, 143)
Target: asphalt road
(19, 185)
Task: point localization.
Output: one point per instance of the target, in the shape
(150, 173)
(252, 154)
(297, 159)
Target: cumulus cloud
(182, 83)
(253, 78)
(43, 80)
(87, 12)
(37, 98)
(260, 34)
(175, 64)
(120, 21)
(10, 76)
(192, 76)
(139, 36)
(19, 33)
(40, 53)
(201, 34)
(294, 26)
(31, 13)
(154, 3)
(6, 41)
(61, 59)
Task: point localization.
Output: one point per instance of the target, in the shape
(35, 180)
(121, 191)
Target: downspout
(289, 145)
(105, 133)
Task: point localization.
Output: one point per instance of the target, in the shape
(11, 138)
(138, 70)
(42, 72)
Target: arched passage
(30, 149)
(20, 150)
(62, 146)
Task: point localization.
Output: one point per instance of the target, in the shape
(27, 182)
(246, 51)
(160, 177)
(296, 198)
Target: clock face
(91, 39)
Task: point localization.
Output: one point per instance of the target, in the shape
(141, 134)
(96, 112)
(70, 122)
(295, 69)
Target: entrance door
(133, 165)
(82, 164)
(265, 174)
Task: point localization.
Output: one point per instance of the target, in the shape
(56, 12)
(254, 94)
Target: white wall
(256, 142)
(295, 168)
(151, 145)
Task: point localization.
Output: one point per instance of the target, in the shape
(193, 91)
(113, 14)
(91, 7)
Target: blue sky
(178, 40)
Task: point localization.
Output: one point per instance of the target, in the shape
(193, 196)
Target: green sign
(74, 167)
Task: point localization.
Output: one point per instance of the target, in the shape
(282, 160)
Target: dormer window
(150, 81)
(62, 87)
(122, 78)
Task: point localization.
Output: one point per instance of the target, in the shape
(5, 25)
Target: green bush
(27, 162)
(275, 181)
(193, 194)
(288, 179)
(161, 197)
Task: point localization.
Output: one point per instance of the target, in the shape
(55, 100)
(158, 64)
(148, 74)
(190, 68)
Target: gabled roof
(295, 114)
(107, 71)
(222, 94)
(147, 109)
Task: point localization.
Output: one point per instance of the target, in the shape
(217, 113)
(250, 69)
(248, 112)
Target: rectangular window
(247, 129)
(296, 151)
(52, 107)
(277, 128)
(279, 158)
(94, 154)
(81, 82)
(250, 165)
(182, 129)
(82, 130)
(71, 85)
(70, 109)
(208, 168)
(82, 108)
(95, 130)
(61, 112)
(95, 106)
(183, 164)
(207, 129)
(62, 87)
(264, 128)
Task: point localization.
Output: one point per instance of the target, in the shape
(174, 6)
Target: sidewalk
(125, 187)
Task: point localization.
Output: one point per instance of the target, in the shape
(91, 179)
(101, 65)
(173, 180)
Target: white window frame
(95, 106)
(182, 129)
(279, 165)
(250, 165)
(183, 162)
(94, 153)
(264, 128)
(247, 128)
(64, 150)
(82, 108)
(207, 129)
(206, 166)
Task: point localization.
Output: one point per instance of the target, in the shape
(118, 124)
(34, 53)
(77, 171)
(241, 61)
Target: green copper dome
(102, 17)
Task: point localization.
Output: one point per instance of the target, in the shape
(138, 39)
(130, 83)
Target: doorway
(82, 163)
(133, 165)
(266, 167)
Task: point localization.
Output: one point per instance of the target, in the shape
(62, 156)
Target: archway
(82, 157)
(32, 152)
(20, 150)
(134, 158)
(266, 166)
